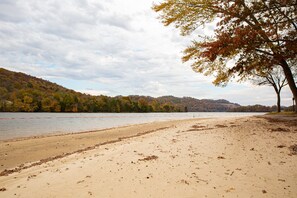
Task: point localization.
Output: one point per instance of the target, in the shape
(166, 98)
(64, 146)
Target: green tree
(155, 106)
(3, 93)
(256, 35)
(143, 105)
(46, 105)
(126, 104)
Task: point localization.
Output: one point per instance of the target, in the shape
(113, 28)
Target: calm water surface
(14, 125)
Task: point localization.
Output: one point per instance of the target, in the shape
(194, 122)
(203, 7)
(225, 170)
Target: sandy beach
(214, 157)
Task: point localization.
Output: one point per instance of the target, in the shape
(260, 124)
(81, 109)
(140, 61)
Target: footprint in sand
(30, 177)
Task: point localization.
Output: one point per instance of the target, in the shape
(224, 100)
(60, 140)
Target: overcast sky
(110, 47)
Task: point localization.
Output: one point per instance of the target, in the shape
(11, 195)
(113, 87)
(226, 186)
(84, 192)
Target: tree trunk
(278, 102)
(290, 79)
(278, 91)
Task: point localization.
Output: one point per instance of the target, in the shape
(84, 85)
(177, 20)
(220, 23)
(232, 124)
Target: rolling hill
(20, 92)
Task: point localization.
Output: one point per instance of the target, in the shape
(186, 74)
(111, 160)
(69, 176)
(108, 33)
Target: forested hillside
(23, 93)
(204, 105)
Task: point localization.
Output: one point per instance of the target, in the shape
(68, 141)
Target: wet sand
(224, 157)
(21, 152)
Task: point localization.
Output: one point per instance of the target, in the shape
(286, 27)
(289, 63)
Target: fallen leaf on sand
(184, 182)
(148, 158)
(80, 181)
(281, 146)
(221, 126)
(230, 189)
(293, 149)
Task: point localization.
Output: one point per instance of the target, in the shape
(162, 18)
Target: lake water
(13, 125)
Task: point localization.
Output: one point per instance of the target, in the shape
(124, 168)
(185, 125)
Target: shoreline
(242, 156)
(41, 124)
(64, 144)
(57, 134)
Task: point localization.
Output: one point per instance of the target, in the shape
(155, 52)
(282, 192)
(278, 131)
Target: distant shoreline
(16, 125)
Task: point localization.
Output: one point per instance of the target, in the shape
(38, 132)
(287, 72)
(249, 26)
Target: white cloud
(94, 92)
(106, 47)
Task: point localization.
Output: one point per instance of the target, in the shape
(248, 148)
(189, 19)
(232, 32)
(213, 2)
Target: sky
(110, 47)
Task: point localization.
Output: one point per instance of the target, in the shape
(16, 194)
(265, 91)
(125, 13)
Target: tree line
(23, 93)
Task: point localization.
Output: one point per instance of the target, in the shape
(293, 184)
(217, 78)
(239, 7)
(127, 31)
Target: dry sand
(224, 157)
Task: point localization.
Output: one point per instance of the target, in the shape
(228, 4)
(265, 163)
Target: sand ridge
(226, 157)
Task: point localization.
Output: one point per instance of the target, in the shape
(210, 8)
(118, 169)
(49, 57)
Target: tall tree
(256, 34)
(274, 78)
